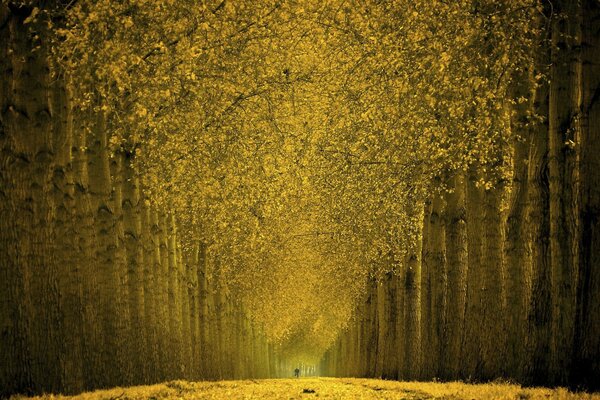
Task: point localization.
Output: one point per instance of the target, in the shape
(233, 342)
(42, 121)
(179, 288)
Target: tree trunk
(163, 272)
(426, 295)
(517, 258)
(120, 264)
(86, 244)
(195, 310)
(456, 260)
(587, 340)
(412, 307)
(387, 317)
(563, 112)
(433, 299)
(538, 220)
(132, 226)
(110, 290)
(492, 297)
(185, 324)
(472, 338)
(30, 320)
(203, 310)
(66, 231)
(151, 294)
(174, 296)
(160, 289)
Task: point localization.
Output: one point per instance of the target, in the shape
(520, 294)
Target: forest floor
(329, 388)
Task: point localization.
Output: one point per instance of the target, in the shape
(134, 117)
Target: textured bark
(412, 306)
(228, 357)
(243, 337)
(434, 293)
(401, 333)
(174, 299)
(86, 247)
(151, 306)
(381, 328)
(426, 295)
(355, 349)
(186, 330)
(132, 227)
(218, 321)
(587, 340)
(364, 335)
(27, 269)
(212, 322)
(387, 318)
(456, 261)
(65, 235)
(562, 149)
(472, 338)
(162, 272)
(185, 324)
(372, 326)
(125, 338)
(517, 258)
(204, 315)
(538, 221)
(112, 363)
(194, 313)
(252, 342)
(492, 317)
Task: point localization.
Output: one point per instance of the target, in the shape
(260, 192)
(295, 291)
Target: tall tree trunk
(66, 231)
(86, 244)
(563, 111)
(212, 326)
(174, 296)
(587, 340)
(151, 294)
(167, 348)
(456, 261)
(381, 327)
(426, 295)
(119, 256)
(386, 315)
(412, 307)
(113, 362)
(185, 326)
(492, 297)
(132, 226)
(194, 312)
(434, 260)
(219, 322)
(203, 310)
(29, 319)
(517, 259)
(472, 337)
(538, 220)
(401, 333)
(372, 326)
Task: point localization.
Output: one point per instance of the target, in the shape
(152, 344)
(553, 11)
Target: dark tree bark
(587, 340)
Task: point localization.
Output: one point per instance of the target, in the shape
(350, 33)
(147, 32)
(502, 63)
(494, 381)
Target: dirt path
(327, 388)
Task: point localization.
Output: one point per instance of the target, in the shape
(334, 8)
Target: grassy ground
(329, 388)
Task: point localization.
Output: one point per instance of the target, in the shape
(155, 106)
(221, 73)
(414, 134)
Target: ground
(328, 388)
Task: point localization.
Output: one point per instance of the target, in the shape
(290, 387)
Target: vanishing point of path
(328, 388)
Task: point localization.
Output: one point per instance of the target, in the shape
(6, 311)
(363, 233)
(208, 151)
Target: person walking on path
(297, 372)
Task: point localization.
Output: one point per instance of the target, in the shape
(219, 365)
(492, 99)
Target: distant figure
(297, 372)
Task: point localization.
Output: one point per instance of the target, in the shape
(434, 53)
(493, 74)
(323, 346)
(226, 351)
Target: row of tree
(97, 289)
(188, 181)
(503, 280)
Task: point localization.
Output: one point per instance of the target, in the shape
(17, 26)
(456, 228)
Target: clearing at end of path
(327, 388)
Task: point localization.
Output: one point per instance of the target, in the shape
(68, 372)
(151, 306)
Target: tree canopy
(297, 139)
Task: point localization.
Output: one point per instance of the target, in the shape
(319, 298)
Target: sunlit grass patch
(330, 388)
